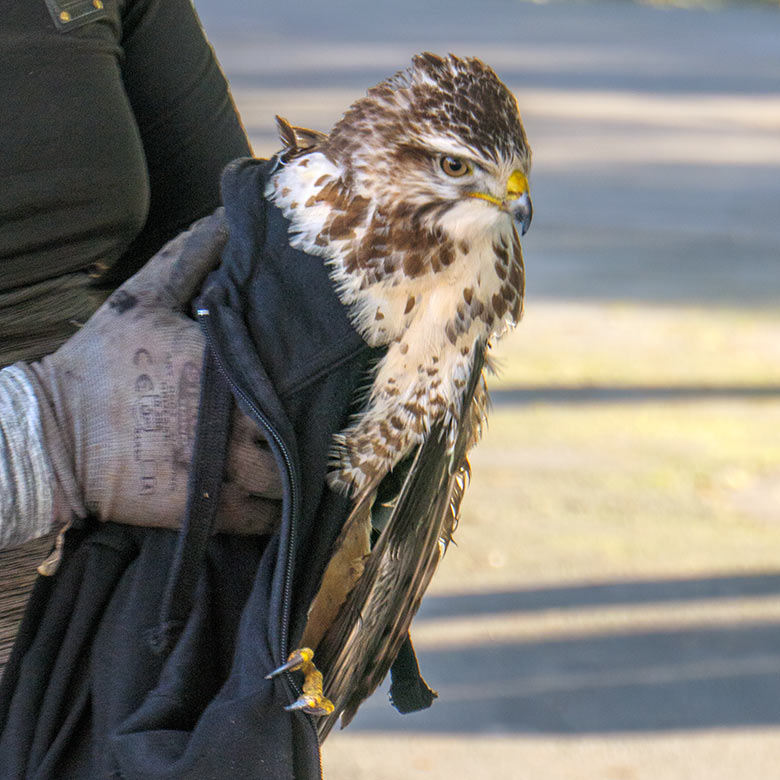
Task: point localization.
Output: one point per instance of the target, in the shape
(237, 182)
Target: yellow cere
(517, 185)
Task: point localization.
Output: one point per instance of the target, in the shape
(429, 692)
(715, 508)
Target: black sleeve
(186, 118)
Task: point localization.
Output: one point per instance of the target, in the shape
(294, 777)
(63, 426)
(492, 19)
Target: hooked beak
(522, 211)
(516, 202)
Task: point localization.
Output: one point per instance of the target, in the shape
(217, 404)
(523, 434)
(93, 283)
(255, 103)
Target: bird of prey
(416, 199)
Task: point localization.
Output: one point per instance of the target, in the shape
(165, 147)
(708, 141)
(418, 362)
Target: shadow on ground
(624, 593)
(622, 681)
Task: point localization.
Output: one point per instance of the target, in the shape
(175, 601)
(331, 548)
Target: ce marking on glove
(149, 423)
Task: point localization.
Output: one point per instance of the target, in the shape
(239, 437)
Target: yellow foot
(312, 700)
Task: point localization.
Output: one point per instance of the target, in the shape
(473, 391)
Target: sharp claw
(311, 705)
(294, 660)
(276, 672)
(298, 704)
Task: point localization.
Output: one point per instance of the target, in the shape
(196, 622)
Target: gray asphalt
(624, 681)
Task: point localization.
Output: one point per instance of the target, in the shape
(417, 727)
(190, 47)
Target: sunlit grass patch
(568, 489)
(564, 343)
(591, 491)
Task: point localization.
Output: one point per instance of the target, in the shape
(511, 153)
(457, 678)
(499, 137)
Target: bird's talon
(312, 701)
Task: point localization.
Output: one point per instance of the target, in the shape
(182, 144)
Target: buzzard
(416, 199)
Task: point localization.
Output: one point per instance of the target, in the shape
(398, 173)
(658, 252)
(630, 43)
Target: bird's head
(444, 138)
(422, 185)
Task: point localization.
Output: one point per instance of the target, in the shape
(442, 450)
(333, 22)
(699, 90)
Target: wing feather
(361, 645)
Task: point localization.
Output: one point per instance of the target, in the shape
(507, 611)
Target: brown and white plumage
(414, 199)
(425, 262)
(361, 644)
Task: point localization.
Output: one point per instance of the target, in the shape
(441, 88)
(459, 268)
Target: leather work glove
(120, 404)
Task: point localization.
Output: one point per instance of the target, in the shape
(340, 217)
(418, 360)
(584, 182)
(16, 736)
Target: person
(151, 652)
(117, 122)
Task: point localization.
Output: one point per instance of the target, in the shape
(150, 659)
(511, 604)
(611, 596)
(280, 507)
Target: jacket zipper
(204, 318)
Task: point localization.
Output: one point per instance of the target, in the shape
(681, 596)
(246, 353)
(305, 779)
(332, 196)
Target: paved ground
(613, 608)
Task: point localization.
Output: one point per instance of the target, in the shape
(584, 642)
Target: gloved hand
(120, 403)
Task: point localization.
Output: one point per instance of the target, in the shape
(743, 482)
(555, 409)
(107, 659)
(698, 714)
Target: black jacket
(106, 683)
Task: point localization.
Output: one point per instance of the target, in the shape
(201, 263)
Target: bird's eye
(453, 166)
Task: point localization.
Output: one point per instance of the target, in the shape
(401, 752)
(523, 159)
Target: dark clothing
(112, 138)
(113, 135)
(299, 337)
(88, 693)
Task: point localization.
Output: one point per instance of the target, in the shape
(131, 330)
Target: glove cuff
(67, 499)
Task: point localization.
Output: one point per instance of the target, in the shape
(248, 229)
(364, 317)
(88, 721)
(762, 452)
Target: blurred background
(612, 607)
